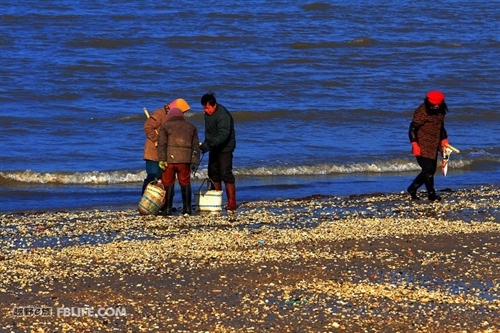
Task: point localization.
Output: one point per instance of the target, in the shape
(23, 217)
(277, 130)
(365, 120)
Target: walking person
(220, 142)
(151, 127)
(428, 136)
(178, 149)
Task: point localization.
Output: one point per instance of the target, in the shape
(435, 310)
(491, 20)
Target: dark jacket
(219, 130)
(427, 129)
(178, 142)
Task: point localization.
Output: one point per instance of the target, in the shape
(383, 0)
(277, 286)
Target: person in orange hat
(151, 127)
(427, 136)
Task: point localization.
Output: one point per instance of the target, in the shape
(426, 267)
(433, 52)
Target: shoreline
(127, 196)
(295, 195)
(320, 263)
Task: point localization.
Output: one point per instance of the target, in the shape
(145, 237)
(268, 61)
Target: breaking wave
(11, 178)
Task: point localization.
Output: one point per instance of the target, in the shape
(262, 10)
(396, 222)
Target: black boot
(169, 200)
(186, 199)
(429, 184)
(433, 196)
(412, 189)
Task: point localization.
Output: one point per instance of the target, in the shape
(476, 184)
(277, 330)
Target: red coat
(427, 129)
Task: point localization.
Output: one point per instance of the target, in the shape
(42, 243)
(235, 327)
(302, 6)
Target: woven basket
(152, 200)
(208, 200)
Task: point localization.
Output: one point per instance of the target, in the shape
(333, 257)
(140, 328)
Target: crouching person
(178, 149)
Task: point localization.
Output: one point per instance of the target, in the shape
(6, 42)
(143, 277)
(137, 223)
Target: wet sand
(374, 263)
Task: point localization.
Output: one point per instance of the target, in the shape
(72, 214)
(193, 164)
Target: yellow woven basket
(152, 200)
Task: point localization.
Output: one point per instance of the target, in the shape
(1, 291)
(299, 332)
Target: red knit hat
(435, 97)
(174, 112)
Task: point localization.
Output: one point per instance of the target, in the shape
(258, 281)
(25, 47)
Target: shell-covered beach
(369, 263)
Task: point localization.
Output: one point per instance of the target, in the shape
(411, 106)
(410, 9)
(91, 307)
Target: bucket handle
(160, 185)
(157, 183)
(208, 184)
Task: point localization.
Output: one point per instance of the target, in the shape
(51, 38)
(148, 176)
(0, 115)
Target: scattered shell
(359, 263)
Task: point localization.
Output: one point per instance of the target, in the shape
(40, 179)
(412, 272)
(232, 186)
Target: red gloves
(415, 149)
(444, 143)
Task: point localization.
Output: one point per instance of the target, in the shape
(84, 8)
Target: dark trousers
(220, 167)
(426, 176)
(428, 165)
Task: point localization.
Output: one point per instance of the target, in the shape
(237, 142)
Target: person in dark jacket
(220, 142)
(428, 136)
(151, 127)
(178, 149)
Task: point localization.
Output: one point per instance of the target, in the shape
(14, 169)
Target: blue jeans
(153, 172)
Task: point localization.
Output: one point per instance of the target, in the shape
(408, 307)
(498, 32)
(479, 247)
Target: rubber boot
(429, 184)
(412, 189)
(186, 199)
(231, 196)
(169, 200)
(433, 196)
(216, 186)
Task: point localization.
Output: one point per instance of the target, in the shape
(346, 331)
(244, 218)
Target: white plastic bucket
(208, 200)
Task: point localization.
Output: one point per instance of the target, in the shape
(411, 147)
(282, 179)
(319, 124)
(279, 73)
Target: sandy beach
(369, 263)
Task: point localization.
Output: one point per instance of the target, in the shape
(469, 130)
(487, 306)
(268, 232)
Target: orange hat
(435, 97)
(180, 104)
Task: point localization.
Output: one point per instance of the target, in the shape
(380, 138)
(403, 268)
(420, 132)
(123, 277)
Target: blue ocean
(322, 93)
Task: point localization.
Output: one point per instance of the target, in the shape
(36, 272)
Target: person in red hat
(427, 136)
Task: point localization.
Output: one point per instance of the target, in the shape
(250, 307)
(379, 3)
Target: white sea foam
(123, 177)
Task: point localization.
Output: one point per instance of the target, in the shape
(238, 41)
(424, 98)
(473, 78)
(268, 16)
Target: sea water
(322, 93)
